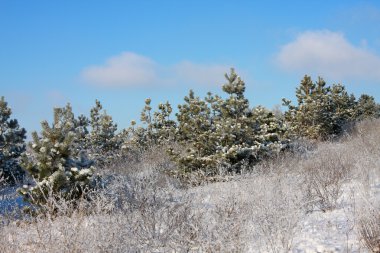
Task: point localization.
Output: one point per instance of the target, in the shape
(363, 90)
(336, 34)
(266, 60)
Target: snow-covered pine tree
(225, 132)
(310, 115)
(163, 126)
(321, 112)
(12, 144)
(247, 135)
(54, 162)
(158, 128)
(103, 144)
(156, 132)
(343, 108)
(195, 134)
(366, 107)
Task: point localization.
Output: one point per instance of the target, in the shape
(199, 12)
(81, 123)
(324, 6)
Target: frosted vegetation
(219, 176)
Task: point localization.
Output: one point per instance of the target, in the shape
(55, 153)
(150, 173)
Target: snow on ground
(334, 231)
(331, 231)
(317, 231)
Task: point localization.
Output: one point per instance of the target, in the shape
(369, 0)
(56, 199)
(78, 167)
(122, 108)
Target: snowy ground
(317, 231)
(332, 231)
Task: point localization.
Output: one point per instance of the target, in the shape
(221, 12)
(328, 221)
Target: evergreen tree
(102, 128)
(102, 142)
(225, 132)
(78, 126)
(195, 133)
(81, 127)
(366, 107)
(343, 108)
(321, 112)
(11, 145)
(54, 163)
(159, 128)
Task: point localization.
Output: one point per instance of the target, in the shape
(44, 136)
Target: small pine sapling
(54, 164)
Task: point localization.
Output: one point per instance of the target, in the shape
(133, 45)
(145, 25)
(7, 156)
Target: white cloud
(126, 69)
(330, 55)
(129, 69)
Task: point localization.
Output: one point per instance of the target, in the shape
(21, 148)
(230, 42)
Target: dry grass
(324, 176)
(369, 228)
(143, 209)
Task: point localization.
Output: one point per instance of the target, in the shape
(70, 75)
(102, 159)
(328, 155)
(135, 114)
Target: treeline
(207, 134)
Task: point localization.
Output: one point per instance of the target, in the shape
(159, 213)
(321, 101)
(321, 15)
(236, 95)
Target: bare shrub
(226, 217)
(368, 220)
(369, 230)
(364, 152)
(157, 211)
(277, 209)
(142, 212)
(324, 175)
(162, 215)
(148, 218)
(154, 158)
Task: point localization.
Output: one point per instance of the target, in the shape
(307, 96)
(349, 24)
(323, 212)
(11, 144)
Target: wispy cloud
(330, 55)
(132, 70)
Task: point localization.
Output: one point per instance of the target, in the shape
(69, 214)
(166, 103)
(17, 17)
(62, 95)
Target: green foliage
(159, 126)
(210, 133)
(102, 143)
(366, 107)
(195, 133)
(219, 132)
(54, 163)
(11, 145)
(102, 128)
(321, 112)
(157, 129)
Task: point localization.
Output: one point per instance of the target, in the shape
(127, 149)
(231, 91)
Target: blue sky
(121, 52)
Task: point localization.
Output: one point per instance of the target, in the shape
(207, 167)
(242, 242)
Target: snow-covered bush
(11, 145)
(54, 163)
